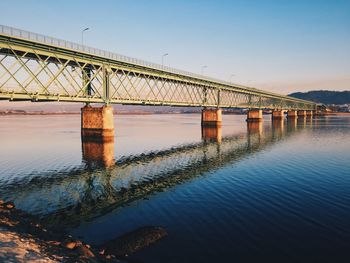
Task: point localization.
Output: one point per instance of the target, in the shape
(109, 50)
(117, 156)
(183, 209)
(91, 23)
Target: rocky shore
(24, 239)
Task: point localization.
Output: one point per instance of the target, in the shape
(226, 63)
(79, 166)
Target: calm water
(270, 193)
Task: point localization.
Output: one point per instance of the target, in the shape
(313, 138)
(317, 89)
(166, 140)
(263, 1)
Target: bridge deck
(40, 68)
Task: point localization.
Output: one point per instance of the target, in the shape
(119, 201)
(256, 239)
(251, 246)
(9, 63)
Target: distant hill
(324, 96)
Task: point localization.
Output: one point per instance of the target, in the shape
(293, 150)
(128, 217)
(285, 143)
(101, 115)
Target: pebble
(55, 243)
(85, 252)
(10, 206)
(71, 245)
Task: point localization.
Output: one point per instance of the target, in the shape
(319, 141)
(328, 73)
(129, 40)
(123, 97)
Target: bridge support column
(292, 114)
(309, 113)
(277, 115)
(211, 118)
(97, 122)
(254, 116)
(302, 113)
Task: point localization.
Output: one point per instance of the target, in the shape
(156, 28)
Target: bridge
(35, 67)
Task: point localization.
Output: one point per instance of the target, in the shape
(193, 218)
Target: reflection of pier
(255, 128)
(83, 193)
(212, 134)
(99, 152)
(292, 124)
(278, 127)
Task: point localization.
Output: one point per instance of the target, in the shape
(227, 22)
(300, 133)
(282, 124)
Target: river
(275, 192)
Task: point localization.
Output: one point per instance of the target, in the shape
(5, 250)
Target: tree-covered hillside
(324, 96)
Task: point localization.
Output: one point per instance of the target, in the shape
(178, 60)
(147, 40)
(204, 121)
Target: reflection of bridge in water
(92, 190)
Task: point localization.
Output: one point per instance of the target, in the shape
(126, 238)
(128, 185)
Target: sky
(276, 45)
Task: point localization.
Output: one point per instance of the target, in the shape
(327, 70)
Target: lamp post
(164, 55)
(202, 69)
(82, 35)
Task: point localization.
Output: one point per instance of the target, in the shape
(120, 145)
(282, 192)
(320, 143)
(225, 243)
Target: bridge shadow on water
(102, 184)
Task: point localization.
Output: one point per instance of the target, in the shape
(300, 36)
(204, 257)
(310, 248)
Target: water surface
(272, 192)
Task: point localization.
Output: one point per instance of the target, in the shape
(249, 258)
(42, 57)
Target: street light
(164, 55)
(82, 35)
(202, 69)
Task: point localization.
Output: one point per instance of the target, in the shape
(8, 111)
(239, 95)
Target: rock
(9, 205)
(70, 245)
(46, 243)
(133, 241)
(54, 243)
(85, 251)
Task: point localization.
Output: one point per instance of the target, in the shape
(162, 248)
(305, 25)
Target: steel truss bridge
(39, 68)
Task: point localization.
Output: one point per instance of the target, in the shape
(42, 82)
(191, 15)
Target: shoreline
(25, 239)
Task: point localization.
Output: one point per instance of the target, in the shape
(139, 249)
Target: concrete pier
(97, 122)
(317, 113)
(309, 113)
(292, 114)
(254, 116)
(302, 113)
(211, 118)
(212, 134)
(278, 115)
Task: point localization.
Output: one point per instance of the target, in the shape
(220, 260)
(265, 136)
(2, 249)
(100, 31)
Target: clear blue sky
(277, 45)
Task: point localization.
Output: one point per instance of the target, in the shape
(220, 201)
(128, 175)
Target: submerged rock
(133, 241)
(8, 205)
